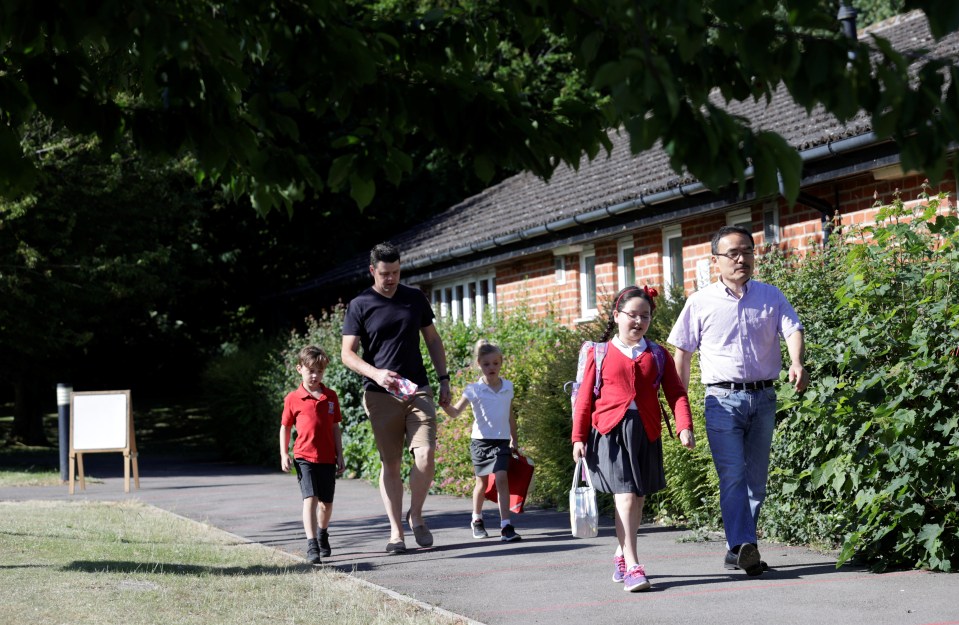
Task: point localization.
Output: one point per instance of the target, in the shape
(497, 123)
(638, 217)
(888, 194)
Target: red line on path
(706, 591)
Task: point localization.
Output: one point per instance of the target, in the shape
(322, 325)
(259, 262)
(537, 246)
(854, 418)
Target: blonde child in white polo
(493, 440)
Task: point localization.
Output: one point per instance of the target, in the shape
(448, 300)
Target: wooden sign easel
(102, 421)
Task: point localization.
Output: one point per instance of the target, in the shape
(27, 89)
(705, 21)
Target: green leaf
(362, 190)
(484, 168)
(340, 171)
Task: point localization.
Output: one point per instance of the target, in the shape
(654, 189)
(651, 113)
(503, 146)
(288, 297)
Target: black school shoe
(313, 552)
(325, 550)
(509, 535)
(731, 562)
(747, 559)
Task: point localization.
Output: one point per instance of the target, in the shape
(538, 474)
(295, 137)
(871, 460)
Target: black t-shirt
(389, 331)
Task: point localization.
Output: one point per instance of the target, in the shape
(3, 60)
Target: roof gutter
(832, 148)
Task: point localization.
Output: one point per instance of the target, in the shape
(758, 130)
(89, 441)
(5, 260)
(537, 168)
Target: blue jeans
(739, 426)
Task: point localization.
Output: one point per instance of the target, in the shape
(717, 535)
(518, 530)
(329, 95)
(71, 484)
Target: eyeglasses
(734, 254)
(636, 316)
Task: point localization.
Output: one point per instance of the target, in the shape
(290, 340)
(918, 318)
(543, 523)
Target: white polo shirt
(491, 409)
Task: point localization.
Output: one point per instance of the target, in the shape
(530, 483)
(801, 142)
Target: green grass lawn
(127, 562)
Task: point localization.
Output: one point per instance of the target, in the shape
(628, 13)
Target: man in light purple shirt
(736, 324)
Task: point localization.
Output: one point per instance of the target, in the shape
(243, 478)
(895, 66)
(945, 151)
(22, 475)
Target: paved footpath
(548, 577)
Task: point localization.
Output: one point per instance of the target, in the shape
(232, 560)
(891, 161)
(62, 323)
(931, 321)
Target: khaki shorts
(396, 422)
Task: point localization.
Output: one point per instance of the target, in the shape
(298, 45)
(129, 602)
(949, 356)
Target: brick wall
(532, 281)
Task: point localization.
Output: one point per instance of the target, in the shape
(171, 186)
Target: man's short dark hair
(727, 230)
(384, 252)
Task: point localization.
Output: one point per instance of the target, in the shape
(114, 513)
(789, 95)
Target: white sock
(477, 517)
(503, 523)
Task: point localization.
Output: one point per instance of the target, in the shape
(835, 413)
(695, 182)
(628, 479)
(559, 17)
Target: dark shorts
(489, 455)
(625, 461)
(316, 480)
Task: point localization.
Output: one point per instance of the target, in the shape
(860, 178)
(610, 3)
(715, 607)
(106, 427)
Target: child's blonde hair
(311, 356)
(485, 348)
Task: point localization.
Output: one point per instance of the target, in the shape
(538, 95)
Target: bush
(253, 409)
(527, 348)
(546, 427)
(691, 496)
(246, 423)
(868, 456)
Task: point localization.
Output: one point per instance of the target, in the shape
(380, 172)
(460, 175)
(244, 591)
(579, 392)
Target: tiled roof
(524, 201)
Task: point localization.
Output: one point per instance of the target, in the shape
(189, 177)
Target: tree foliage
(112, 252)
(873, 11)
(98, 274)
(278, 100)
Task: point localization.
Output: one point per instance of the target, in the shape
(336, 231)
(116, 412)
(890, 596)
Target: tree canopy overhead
(280, 100)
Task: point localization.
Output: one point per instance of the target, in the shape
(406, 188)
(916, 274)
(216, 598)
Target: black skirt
(625, 461)
(489, 455)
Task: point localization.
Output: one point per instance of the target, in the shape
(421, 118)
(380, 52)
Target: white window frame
(586, 312)
(771, 210)
(457, 302)
(670, 233)
(559, 270)
(740, 217)
(622, 270)
(452, 299)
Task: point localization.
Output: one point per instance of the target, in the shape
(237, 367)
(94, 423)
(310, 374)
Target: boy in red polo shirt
(318, 450)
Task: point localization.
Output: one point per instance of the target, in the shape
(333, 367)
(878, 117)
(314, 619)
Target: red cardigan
(623, 381)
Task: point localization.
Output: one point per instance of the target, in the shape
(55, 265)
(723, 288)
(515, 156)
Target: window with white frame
(559, 267)
(626, 261)
(771, 223)
(587, 282)
(470, 299)
(742, 217)
(672, 258)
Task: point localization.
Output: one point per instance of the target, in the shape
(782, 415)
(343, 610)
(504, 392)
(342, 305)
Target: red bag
(520, 476)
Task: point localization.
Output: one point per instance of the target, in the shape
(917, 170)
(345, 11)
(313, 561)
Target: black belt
(743, 386)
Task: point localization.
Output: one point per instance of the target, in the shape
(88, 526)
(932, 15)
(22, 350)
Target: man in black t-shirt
(386, 320)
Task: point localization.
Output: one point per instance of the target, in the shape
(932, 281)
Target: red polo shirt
(314, 419)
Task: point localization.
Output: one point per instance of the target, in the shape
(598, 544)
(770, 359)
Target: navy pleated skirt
(625, 461)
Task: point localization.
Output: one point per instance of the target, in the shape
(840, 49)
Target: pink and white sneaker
(620, 571)
(635, 579)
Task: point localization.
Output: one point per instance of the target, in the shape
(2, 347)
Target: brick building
(559, 247)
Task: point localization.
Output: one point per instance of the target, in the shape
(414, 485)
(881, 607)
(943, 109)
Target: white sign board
(100, 421)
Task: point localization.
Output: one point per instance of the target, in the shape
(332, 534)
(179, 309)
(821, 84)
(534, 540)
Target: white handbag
(583, 513)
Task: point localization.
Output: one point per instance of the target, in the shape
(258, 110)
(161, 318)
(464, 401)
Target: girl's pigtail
(609, 329)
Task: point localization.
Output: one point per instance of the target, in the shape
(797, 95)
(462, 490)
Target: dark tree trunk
(28, 413)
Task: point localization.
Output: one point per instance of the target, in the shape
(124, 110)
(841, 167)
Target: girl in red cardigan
(619, 432)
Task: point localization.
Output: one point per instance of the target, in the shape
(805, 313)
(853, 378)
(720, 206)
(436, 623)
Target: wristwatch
(444, 378)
